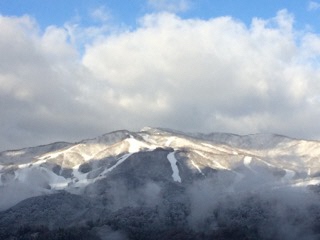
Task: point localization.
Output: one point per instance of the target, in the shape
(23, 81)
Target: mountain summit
(163, 184)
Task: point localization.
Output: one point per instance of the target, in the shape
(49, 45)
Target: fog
(220, 206)
(140, 199)
(282, 212)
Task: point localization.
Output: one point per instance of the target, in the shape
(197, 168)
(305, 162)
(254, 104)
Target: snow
(14, 153)
(135, 145)
(37, 163)
(38, 177)
(169, 141)
(121, 160)
(50, 155)
(315, 181)
(197, 167)
(25, 165)
(86, 157)
(174, 167)
(148, 139)
(81, 178)
(215, 147)
(57, 182)
(264, 162)
(269, 153)
(217, 164)
(247, 160)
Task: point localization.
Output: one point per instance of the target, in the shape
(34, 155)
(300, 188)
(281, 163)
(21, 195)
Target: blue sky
(127, 12)
(76, 69)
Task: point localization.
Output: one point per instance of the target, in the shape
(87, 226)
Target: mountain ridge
(200, 135)
(158, 172)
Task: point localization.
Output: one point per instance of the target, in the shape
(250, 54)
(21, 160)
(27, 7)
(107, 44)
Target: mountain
(162, 184)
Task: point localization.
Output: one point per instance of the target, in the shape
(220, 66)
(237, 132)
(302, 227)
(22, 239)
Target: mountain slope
(178, 178)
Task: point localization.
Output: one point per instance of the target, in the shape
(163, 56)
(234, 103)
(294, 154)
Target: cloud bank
(187, 74)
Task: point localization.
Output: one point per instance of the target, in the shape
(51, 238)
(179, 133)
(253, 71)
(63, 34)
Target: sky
(76, 69)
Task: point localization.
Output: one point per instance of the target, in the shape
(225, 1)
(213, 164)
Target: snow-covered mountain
(183, 179)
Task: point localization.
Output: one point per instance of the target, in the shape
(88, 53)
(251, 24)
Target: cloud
(100, 14)
(187, 74)
(40, 85)
(170, 5)
(210, 75)
(312, 6)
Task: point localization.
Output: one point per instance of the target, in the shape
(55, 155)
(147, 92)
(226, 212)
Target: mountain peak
(157, 167)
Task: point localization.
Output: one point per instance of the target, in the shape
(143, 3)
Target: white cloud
(312, 6)
(192, 75)
(101, 14)
(170, 5)
(40, 79)
(205, 69)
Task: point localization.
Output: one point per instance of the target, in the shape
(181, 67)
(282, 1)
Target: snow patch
(169, 141)
(25, 165)
(57, 182)
(217, 164)
(197, 167)
(39, 162)
(149, 140)
(135, 145)
(145, 137)
(14, 153)
(217, 148)
(121, 160)
(308, 183)
(207, 145)
(174, 167)
(81, 178)
(247, 160)
(86, 157)
(38, 177)
(50, 155)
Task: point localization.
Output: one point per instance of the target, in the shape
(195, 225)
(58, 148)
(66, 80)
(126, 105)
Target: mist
(219, 206)
(222, 186)
(250, 212)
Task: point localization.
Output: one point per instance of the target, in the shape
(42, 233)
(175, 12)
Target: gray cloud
(192, 75)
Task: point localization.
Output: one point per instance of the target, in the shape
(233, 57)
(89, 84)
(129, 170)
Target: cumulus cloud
(187, 74)
(41, 80)
(212, 75)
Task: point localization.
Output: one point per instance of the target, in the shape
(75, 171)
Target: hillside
(163, 184)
